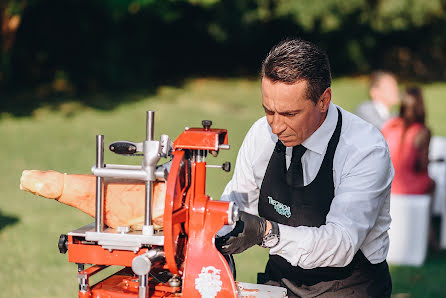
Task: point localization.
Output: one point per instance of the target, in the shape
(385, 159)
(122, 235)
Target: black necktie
(295, 175)
(280, 147)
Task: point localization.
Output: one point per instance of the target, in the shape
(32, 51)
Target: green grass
(63, 139)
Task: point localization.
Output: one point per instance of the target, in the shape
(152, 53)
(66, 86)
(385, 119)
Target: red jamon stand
(180, 260)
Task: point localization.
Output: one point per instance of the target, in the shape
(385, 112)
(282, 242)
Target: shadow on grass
(16, 102)
(25, 103)
(7, 220)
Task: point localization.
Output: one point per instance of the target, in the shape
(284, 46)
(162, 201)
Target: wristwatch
(271, 239)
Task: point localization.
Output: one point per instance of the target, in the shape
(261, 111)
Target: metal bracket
(130, 241)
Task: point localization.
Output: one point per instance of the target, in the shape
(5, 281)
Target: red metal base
(95, 254)
(124, 286)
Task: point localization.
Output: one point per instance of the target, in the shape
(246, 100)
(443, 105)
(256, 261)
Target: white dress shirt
(382, 110)
(359, 213)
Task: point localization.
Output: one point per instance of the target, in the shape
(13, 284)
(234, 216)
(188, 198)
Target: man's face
(293, 117)
(386, 91)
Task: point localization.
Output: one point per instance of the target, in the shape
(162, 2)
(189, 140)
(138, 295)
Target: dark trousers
(366, 280)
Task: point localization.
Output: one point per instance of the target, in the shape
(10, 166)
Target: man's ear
(325, 100)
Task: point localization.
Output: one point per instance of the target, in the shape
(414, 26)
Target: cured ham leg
(123, 199)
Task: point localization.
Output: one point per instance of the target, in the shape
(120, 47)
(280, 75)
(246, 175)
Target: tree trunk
(9, 24)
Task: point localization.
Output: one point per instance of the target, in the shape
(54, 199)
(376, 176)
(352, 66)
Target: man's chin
(289, 143)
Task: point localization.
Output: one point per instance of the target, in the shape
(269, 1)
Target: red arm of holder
(206, 273)
(206, 270)
(201, 139)
(95, 254)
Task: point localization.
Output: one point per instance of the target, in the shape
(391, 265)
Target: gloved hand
(249, 230)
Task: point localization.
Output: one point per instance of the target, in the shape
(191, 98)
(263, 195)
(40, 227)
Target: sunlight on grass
(63, 139)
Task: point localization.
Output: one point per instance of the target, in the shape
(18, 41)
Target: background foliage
(75, 47)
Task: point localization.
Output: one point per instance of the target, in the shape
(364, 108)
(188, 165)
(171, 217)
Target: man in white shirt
(312, 182)
(383, 94)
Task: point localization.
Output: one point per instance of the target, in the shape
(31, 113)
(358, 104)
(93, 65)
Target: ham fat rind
(123, 199)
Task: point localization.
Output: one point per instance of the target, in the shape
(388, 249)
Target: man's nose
(277, 124)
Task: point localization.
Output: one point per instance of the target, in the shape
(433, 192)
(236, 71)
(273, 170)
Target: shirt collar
(382, 109)
(318, 141)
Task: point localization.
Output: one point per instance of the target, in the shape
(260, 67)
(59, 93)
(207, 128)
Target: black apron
(308, 206)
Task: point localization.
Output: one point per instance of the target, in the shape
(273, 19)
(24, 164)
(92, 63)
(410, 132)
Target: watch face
(271, 241)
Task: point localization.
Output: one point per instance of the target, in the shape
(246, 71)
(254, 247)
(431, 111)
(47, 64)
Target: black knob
(226, 166)
(206, 124)
(63, 244)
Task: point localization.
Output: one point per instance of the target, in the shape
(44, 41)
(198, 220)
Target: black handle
(226, 166)
(63, 244)
(123, 147)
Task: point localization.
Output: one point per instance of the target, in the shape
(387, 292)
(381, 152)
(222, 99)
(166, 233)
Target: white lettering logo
(208, 282)
(280, 208)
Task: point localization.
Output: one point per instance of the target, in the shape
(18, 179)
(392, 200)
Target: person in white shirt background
(312, 182)
(383, 96)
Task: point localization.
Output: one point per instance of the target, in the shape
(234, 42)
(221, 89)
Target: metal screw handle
(206, 124)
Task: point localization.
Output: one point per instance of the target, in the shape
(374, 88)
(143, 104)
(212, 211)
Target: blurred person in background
(312, 182)
(383, 96)
(408, 138)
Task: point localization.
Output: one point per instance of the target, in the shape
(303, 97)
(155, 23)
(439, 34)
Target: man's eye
(290, 114)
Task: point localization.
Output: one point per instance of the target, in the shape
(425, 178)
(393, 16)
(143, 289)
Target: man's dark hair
(294, 60)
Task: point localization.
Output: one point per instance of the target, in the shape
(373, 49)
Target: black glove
(248, 231)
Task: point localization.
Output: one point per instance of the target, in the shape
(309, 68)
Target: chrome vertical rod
(143, 286)
(148, 204)
(149, 184)
(99, 223)
(150, 125)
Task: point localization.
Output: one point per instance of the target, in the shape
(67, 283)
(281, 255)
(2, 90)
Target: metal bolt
(141, 265)
(174, 281)
(123, 229)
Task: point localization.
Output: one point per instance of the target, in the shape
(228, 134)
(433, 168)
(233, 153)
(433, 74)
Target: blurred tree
(10, 18)
(406, 35)
(132, 42)
(381, 15)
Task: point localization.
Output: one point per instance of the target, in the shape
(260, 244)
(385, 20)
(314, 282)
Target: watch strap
(274, 228)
